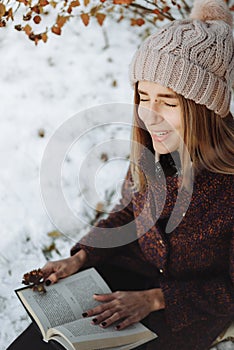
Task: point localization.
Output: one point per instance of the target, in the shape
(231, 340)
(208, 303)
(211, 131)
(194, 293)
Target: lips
(160, 136)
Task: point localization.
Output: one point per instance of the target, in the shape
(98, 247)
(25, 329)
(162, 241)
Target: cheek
(142, 113)
(174, 119)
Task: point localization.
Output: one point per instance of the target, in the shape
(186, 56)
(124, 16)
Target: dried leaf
(18, 27)
(28, 16)
(36, 9)
(39, 288)
(25, 2)
(120, 19)
(41, 131)
(75, 3)
(85, 18)
(35, 280)
(27, 29)
(34, 276)
(157, 11)
(100, 18)
(2, 23)
(10, 14)
(48, 249)
(43, 2)
(53, 4)
(140, 21)
(166, 9)
(86, 2)
(34, 37)
(94, 10)
(37, 19)
(104, 157)
(99, 207)
(54, 234)
(2, 10)
(122, 2)
(56, 30)
(61, 20)
(44, 37)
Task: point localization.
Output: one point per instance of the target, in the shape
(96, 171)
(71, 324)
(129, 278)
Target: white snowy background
(41, 88)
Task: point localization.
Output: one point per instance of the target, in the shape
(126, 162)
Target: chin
(164, 150)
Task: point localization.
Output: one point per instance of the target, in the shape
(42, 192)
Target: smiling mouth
(160, 133)
(160, 136)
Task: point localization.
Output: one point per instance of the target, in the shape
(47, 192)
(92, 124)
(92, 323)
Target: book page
(84, 335)
(64, 301)
(130, 346)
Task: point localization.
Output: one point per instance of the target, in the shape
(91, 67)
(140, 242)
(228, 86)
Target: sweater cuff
(95, 256)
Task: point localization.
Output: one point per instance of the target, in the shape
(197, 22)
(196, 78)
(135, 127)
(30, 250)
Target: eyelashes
(166, 104)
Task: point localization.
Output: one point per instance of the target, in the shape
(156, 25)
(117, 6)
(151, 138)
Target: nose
(151, 115)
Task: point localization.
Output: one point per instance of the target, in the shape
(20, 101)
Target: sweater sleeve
(190, 301)
(101, 244)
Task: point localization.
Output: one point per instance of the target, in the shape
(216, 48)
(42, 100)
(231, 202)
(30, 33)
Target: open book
(58, 314)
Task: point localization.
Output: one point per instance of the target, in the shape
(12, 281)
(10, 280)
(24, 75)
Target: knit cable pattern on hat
(193, 58)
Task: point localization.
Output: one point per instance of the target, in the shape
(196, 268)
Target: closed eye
(170, 105)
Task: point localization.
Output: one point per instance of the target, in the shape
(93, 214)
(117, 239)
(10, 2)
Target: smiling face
(160, 111)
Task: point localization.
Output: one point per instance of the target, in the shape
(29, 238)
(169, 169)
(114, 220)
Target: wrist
(80, 258)
(157, 299)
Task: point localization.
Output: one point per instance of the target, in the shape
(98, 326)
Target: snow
(41, 89)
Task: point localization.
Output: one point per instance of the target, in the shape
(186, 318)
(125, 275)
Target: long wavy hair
(207, 136)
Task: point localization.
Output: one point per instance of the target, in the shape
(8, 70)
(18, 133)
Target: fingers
(98, 309)
(52, 272)
(122, 308)
(107, 318)
(104, 297)
(53, 278)
(126, 322)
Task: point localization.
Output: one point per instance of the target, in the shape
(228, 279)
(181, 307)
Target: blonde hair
(207, 136)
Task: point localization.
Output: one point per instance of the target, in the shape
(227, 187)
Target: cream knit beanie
(193, 57)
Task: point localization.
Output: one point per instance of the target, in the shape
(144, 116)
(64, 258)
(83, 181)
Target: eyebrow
(159, 95)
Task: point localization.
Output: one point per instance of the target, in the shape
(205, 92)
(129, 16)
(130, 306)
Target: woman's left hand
(130, 307)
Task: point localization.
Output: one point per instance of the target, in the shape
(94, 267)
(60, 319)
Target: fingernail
(48, 282)
(94, 320)
(103, 324)
(117, 327)
(84, 314)
(96, 294)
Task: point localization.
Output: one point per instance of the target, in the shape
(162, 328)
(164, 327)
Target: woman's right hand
(54, 270)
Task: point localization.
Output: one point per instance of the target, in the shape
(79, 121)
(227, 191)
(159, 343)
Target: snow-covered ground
(41, 88)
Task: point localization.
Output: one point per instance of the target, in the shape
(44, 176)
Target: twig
(106, 39)
(166, 15)
(186, 6)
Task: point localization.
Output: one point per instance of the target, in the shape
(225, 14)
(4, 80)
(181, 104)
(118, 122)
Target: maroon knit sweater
(196, 261)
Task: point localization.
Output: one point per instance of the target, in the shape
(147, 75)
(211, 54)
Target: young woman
(176, 271)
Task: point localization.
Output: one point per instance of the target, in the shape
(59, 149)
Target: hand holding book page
(126, 307)
(58, 313)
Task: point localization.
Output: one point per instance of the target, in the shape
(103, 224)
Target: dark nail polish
(104, 324)
(84, 314)
(96, 294)
(47, 282)
(117, 327)
(94, 320)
